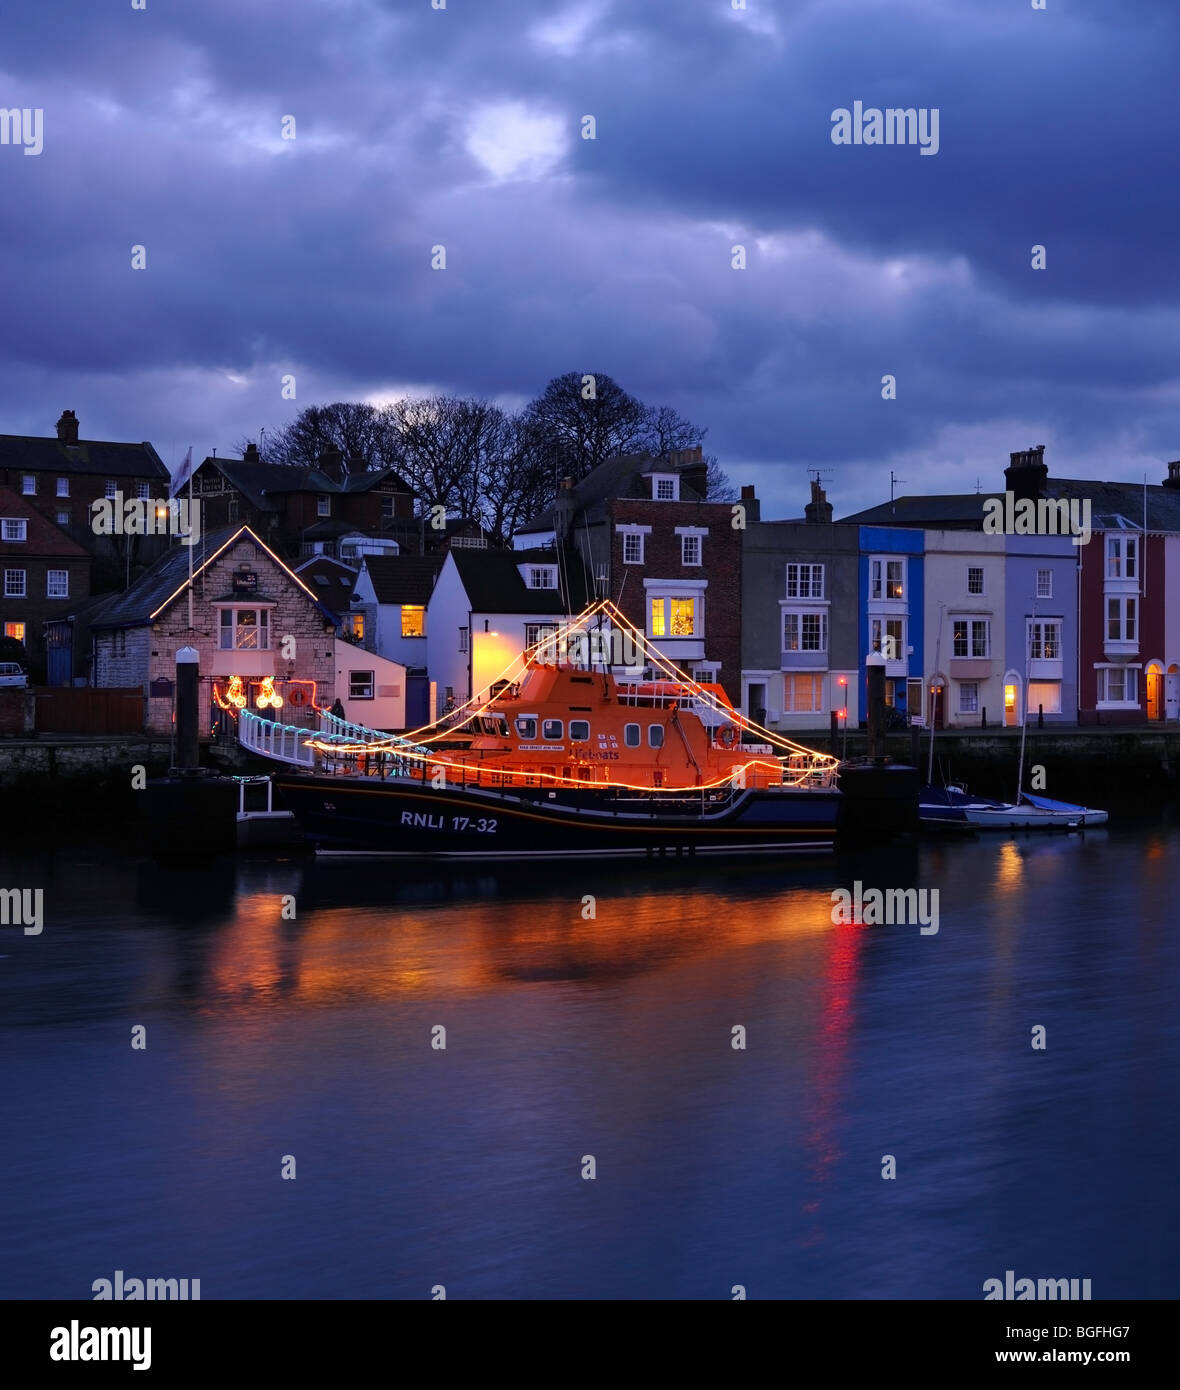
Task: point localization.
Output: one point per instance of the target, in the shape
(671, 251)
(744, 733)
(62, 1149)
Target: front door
(1172, 694)
(1155, 693)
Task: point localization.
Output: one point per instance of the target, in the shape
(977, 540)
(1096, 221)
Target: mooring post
(875, 676)
(188, 674)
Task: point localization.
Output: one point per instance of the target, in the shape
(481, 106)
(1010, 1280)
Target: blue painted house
(891, 601)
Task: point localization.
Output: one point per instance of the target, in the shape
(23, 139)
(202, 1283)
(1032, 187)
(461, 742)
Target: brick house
(291, 509)
(670, 561)
(62, 476)
(42, 574)
(246, 603)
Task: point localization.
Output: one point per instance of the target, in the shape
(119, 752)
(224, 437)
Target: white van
(11, 675)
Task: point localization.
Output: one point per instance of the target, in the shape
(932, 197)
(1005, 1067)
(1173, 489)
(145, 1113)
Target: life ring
(297, 695)
(726, 736)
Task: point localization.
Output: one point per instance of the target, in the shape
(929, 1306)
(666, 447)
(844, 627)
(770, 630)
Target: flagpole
(190, 543)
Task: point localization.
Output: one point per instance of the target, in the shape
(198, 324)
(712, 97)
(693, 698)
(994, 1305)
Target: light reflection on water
(609, 1036)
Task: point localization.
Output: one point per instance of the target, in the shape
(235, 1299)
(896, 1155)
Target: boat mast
(1024, 720)
(933, 696)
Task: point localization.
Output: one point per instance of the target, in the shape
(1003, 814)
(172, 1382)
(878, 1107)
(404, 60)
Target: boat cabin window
(655, 735)
(579, 730)
(631, 735)
(552, 729)
(526, 726)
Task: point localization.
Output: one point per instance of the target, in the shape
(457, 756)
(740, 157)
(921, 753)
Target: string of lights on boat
(803, 764)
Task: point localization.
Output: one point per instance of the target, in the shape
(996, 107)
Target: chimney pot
(1173, 478)
(251, 454)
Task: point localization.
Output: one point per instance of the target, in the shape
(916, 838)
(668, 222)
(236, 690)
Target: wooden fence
(86, 710)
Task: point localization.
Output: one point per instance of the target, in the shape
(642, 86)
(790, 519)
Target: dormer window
(665, 487)
(539, 576)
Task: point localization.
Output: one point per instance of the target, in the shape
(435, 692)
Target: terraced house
(43, 573)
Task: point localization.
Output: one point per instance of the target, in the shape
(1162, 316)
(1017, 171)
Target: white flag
(184, 472)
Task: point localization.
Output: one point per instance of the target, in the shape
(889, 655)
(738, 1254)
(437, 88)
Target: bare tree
(587, 419)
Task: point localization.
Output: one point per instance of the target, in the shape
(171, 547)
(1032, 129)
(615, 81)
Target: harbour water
(270, 1037)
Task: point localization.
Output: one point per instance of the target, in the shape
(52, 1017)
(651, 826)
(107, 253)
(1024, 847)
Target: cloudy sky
(462, 127)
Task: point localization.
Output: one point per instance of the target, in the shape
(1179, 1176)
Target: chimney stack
(1173, 478)
(751, 503)
(331, 463)
(251, 454)
(67, 427)
(1026, 475)
(819, 509)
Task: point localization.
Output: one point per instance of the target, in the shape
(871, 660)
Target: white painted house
(389, 599)
(488, 606)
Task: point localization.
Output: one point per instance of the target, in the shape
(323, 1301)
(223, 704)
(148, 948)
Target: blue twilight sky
(417, 126)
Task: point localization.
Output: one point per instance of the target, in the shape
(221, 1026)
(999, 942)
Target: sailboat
(953, 807)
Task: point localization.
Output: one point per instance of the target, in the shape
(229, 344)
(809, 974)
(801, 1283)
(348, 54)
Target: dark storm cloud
(461, 127)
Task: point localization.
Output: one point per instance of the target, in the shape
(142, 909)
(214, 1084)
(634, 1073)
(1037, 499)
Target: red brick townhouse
(43, 574)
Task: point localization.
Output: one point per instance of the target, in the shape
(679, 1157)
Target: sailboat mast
(933, 696)
(1024, 720)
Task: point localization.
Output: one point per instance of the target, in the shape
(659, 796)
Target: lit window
(1044, 697)
(245, 630)
(657, 622)
(975, 579)
(802, 694)
(413, 620)
(63, 487)
(579, 730)
(14, 583)
(57, 584)
(1044, 583)
(110, 488)
(690, 550)
(1044, 641)
(805, 632)
(633, 547)
(15, 630)
(887, 636)
(14, 528)
(360, 685)
(354, 624)
(28, 484)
